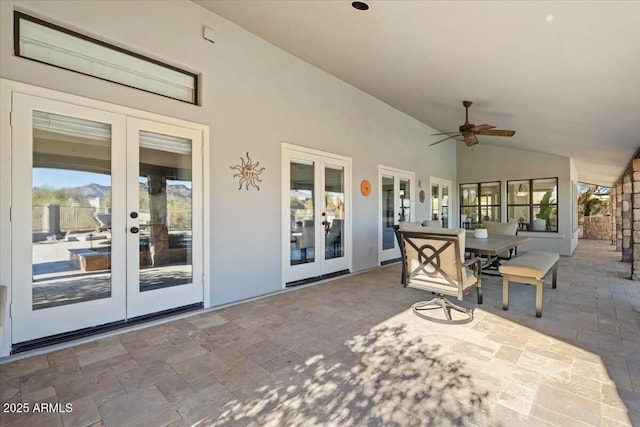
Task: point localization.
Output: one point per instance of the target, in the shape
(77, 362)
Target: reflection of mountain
(89, 191)
(178, 191)
(87, 194)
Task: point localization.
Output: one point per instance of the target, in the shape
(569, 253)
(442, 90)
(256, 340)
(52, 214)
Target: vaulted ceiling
(564, 74)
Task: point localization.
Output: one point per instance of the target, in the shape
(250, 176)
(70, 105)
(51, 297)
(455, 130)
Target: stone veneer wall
(618, 215)
(627, 217)
(635, 220)
(613, 203)
(597, 228)
(625, 201)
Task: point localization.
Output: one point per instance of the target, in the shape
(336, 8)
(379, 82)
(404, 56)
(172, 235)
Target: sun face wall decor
(248, 173)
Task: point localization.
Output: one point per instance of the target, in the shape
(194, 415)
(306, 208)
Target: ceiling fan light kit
(468, 131)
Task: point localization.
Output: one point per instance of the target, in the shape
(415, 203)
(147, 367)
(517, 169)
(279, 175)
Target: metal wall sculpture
(248, 173)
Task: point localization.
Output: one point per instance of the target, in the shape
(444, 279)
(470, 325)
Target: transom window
(533, 203)
(51, 44)
(479, 202)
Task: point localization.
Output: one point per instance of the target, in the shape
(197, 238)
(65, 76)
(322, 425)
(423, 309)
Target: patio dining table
(492, 246)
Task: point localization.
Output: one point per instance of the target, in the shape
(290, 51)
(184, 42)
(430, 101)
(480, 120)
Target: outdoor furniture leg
(505, 293)
(539, 286)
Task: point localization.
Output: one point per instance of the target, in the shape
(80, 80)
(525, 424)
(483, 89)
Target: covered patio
(350, 352)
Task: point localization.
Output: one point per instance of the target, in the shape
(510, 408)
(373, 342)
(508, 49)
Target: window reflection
(479, 202)
(334, 212)
(71, 210)
(533, 204)
(165, 211)
(302, 212)
(388, 210)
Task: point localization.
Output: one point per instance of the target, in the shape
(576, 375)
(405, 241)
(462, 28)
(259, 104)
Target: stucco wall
(484, 162)
(573, 193)
(254, 96)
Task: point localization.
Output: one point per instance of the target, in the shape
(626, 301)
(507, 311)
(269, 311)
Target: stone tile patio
(350, 352)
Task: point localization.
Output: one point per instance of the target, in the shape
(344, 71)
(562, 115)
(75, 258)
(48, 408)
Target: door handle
(134, 230)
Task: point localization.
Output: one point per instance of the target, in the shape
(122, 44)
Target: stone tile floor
(349, 352)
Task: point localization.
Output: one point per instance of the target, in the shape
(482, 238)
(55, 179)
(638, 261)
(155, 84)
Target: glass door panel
(334, 201)
(301, 195)
(435, 202)
(445, 206)
(163, 232)
(405, 200)
(440, 190)
(165, 211)
(396, 193)
(71, 210)
(67, 261)
(388, 212)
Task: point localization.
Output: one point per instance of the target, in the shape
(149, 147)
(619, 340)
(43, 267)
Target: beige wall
(483, 162)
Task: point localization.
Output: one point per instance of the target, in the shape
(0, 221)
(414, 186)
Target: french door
(440, 197)
(164, 217)
(106, 217)
(317, 218)
(396, 193)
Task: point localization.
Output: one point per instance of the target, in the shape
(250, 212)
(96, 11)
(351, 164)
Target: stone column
(51, 219)
(159, 231)
(618, 218)
(635, 226)
(614, 210)
(627, 218)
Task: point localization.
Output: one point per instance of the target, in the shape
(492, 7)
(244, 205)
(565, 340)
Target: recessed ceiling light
(360, 5)
(549, 18)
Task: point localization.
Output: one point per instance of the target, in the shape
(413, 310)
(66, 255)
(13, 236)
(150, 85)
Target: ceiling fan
(468, 131)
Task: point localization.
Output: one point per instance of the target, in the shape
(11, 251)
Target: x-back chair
(433, 260)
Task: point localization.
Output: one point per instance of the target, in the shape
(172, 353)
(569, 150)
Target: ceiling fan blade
(496, 132)
(442, 140)
(470, 140)
(479, 128)
(446, 133)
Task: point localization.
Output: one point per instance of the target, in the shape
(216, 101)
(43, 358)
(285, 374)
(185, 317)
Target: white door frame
(320, 266)
(397, 174)
(441, 182)
(7, 89)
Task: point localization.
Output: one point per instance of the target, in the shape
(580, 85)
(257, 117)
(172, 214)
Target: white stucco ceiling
(564, 74)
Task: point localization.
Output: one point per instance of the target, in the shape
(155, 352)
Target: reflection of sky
(301, 194)
(335, 196)
(62, 178)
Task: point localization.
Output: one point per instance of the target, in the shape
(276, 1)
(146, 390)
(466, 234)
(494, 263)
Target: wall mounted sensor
(208, 34)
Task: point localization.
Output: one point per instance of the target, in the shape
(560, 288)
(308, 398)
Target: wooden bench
(529, 268)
